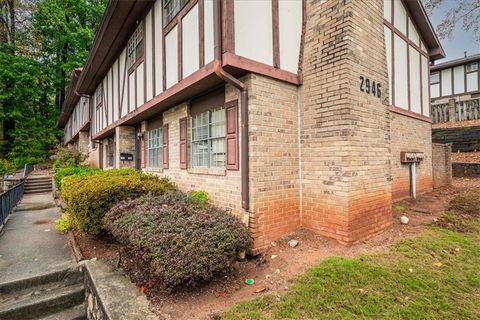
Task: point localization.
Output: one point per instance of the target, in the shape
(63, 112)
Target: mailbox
(411, 157)
(126, 157)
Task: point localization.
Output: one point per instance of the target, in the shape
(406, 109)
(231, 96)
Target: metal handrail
(27, 169)
(9, 199)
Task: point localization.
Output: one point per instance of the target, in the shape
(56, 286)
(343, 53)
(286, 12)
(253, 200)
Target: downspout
(230, 79)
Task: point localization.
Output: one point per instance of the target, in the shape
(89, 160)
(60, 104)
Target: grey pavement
(29, 243)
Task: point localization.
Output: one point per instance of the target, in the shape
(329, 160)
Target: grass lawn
(434, 276)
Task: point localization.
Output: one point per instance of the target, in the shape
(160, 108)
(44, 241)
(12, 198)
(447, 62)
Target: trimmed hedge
(72, 171)
(175, 239)
(89, 197)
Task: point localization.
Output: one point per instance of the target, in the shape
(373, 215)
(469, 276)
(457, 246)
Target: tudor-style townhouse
(455, 95)
(290, 113)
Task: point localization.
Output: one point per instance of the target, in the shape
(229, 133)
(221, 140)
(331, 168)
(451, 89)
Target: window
(208, 139)
(135, 46)
(98, 97)
(472, 67)
(111, 153)
(434, 78)
(171, 8)
(155, 148)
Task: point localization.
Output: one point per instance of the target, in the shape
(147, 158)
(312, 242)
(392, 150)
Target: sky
(460, 41)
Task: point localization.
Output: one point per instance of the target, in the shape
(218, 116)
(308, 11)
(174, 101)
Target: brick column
(83, 140)
(451, 110)
(125, 143)
(345, 133)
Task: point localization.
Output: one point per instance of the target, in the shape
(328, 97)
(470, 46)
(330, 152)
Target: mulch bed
(96, 247)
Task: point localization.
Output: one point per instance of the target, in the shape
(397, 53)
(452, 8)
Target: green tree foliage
(47, 39)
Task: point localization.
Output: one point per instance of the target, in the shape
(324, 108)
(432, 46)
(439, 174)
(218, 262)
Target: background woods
(40, 43)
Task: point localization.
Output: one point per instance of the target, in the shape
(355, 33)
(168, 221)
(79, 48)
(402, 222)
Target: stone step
(40, 178)
(75, 313)
(40, 303)
(38, 183)
(38, 191)
(38, 187)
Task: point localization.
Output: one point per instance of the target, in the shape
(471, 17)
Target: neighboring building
(455, 94)
(290, 113)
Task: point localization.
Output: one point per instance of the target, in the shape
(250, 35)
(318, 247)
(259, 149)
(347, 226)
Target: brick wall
(345, 133)
(83, 140)
(409, 134)
(442, 164)
(124, 143)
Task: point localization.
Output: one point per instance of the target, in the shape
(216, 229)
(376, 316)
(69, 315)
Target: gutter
(230, 79)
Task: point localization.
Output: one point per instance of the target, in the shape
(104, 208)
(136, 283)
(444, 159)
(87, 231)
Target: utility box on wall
(126, 157)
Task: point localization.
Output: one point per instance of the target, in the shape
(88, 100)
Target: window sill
(208, 171)
(157, 170)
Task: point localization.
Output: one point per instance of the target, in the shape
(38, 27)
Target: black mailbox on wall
(126, 157)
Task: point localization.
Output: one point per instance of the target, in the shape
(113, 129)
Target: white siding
(171, 57)
(388, 51)
(472, 81)
(190, 42)
(387, 10)
(140, 85)
(131, 92)
(123, 84)
(400, 16)
(158, 48)
(148, 55)
(290, 31)
(208, 30)
(401, 73)
(458, 79)
(253, 30)
(435, 90)
(446, 78)
(110, 96)
(412, 33)
(415, 85)
(425, 86)
(115, 91)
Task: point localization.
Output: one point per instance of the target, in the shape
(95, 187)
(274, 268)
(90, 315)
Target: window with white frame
(472, 67)
(208, 139)
(135, 46)
(99, 96)
(155, 148)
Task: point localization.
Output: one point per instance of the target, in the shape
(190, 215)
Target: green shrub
(467, 203)
(65, 223)
(64, 157)
(7, 167)
(175, 241)
(200, 196)
(89, 197)
(71, 171)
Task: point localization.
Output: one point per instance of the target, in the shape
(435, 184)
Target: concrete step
(74, 313)
(47, 186)
(38, 183)
(45, 301)
(37, 191)
(46, 178)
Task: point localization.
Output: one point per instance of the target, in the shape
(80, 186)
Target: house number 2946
(370, 87)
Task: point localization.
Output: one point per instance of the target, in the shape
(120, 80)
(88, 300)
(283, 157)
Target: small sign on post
(411, 157)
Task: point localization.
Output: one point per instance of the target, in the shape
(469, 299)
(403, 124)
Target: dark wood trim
(123, 87)
(421, 83)
(228, 16)
(180, 49)
(458, 94)
(136, 89)
(201, 33)
(195, 77)
(119, 107)
(179, 16)
(440, 86)
(275, 34)
(164, 62)
(410, 114)
(154, 80)
(392, 49)
(145, 63)
(405, 38)
(233, 60)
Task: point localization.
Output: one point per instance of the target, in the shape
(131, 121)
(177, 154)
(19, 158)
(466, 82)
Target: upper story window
(98, 97)
(472, 67)
(155, 148)
(171, 8)
(208, 139)
(434, 78)
(135, 46)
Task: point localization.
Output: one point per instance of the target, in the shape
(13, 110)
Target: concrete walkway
(29, 243)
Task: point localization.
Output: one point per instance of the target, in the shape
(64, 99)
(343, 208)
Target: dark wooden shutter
(183, 143)
(231, 116)
(165, 146)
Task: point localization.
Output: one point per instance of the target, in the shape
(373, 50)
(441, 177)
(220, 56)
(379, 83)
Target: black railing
(9, 199)
(27, 170)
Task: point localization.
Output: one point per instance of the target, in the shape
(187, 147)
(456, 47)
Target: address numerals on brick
(370, 87)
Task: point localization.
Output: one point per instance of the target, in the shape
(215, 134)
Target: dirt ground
(275, 270)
